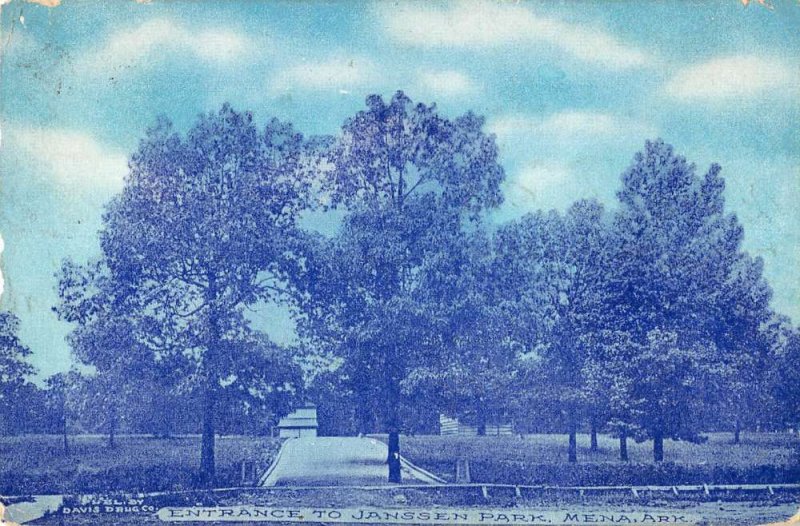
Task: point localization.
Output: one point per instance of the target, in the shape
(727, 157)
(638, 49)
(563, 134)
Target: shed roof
(298, 422)
(304, 418)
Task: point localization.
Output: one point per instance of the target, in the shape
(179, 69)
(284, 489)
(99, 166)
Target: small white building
(300, 423)
(452, 426)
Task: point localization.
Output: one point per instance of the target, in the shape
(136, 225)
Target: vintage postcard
(400, 262)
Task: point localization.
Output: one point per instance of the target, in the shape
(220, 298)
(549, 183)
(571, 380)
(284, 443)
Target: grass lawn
(756, 448)
(37, 463)
(542, 459)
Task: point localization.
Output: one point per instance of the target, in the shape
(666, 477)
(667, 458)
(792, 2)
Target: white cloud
(448, 83)
(570, 125)
(46, 3)
(543, 184)
(539, 176)
(75, 160)
(557, 158)
(492, 24)
(735, 77)
(149, 40)
(338, 74)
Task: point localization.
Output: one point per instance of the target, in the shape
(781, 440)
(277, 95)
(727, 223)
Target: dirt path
(334, 461)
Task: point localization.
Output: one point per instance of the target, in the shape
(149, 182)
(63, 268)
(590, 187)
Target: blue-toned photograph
(399, 262)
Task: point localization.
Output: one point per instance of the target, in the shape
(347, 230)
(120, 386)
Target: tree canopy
(203, 228)
(407, 177)
(640, 318)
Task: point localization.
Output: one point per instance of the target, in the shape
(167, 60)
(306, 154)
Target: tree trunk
(481, 422)
(593, 447)
(63, 423)
(623, 445)
(112, 425)
(658, 445)
(363, 427)
(64, 433)
(462, 471)
(737, 431)
(207, 445)
(207, 465)
(392, 368)
(394, 456)
(363, 418)
(166, 423)
(572, 453)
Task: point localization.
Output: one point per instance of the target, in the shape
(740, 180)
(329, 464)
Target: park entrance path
(335, 461)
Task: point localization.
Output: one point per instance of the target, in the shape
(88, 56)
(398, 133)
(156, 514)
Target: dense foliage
(646, 318)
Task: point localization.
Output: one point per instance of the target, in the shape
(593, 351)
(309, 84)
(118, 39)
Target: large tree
(204, 227)
(675, 381)
(610, 373)
(124, 381)
(743, 328)
(62, 400)
(14, 369)
(785, 375)
(408, 177)
(554, 270)
(472, 375)
(264, 385)
(684, 286)
(104, 341)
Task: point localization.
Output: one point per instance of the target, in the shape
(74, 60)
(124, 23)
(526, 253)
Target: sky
(571, 89)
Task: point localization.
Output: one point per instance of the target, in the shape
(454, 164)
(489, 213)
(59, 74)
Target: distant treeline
(35, 410)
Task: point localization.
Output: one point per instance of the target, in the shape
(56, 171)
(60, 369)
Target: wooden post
(658, 445)
(462, 471)
(623, 444)
(572, 451)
